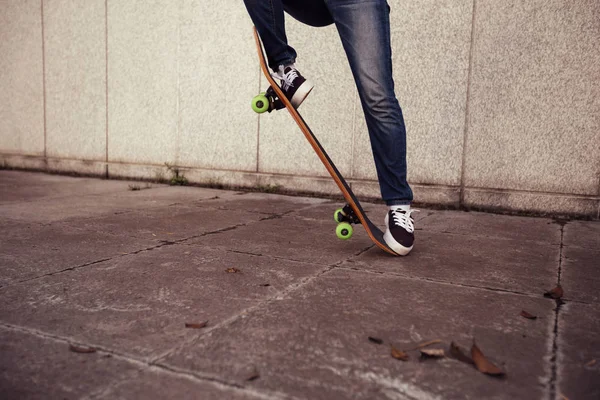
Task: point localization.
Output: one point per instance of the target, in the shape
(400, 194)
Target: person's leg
(364, 28)
(267, 16)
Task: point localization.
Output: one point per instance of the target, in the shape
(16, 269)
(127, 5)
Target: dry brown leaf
(525, 314)
(232, 270)
(433, 353)
(555, 293)
(590, 363)
(254, 374)
(81, 349)
(483, 364)
(375, 340)
(457, 352)
(196, 325)
(399, 354)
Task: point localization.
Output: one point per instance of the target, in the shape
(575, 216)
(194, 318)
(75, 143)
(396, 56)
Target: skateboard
(352, 213)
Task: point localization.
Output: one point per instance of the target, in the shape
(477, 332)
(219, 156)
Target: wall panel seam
(44, 75)
(467, 100)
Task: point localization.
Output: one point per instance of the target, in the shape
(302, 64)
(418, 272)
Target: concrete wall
(501, 98)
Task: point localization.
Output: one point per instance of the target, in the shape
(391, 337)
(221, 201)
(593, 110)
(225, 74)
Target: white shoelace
(403, 219)
(286, 79)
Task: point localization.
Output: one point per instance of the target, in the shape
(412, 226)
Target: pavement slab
(580, 274)
(37, 367)
(20, 186)
(94, 262)
(47, 210)
(579, 351)
(32, 250)
(138, 304)
(313, 342)
(585, 234)
(24, 374)
(483, 225)
(504, 264)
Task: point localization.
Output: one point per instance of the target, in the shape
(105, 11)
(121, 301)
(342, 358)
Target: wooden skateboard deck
(357, 214)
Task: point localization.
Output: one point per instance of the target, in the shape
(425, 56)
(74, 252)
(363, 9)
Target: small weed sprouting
(178, 179)
(268, 188)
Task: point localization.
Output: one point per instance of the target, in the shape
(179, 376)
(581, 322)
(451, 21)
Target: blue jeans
(364, 28)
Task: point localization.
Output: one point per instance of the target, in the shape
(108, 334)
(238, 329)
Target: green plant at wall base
(268, 188)
(177, 179)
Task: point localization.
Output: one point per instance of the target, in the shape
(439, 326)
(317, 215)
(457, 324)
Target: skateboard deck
(274, 99)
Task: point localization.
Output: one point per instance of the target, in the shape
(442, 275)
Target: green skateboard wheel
(338, 215)
(260, 103)
(344, 231)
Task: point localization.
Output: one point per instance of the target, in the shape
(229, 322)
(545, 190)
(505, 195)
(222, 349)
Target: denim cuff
(398, 202)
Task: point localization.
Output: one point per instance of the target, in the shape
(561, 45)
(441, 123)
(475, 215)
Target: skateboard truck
(344, 217)
(267, 101)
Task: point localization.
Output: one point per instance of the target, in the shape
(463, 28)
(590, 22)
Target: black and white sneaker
(400, 230)
(294, 85)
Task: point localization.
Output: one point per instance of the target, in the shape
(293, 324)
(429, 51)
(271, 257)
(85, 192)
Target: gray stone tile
(504, 264)
(17, 186)
(582, 234)
(218, 129)
(22, 82)
(531, 94)
(29, 250)
(172, 223)
(75, 51)
(578, 347)
(33, 367)
(312, 343)
(53, 210)
(484, 225)
(580, 276)
(303, 237)
(143, 90)
(531, 202)
(138, 304)
(263, 203)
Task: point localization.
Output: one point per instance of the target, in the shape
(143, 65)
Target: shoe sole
(301, 94)
(397, 247)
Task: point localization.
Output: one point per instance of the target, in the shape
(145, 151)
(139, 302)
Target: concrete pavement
(288, 307)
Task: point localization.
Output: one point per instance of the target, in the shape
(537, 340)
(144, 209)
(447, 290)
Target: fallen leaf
(457, 352)
(253, 375)
(399, 354)
(591, 363)
(432, 353)
(81, 349)
(375, 340)
(232, 270)
(425, 344)
(555, 293)
(196, 325)
(525, 314)
(483, 364)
